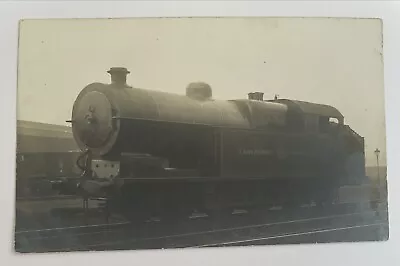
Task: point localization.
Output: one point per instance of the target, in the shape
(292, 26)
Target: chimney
(118, 76)
(256, 96)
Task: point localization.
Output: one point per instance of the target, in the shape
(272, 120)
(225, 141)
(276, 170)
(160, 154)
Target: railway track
(314, 236)
(248, 234)
(192, 232)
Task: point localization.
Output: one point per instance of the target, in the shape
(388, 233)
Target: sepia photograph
(166, 133)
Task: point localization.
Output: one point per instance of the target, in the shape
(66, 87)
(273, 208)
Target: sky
(338, 62)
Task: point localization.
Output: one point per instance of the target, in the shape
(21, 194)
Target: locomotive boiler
(156, 151)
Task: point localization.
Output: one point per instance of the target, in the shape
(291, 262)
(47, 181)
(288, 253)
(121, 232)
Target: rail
(319, 231)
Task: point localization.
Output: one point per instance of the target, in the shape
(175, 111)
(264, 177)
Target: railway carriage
(44, 152)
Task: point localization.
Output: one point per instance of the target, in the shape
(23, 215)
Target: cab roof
(313, 108)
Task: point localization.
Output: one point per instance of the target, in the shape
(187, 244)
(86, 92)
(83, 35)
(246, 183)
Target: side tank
(110, 119)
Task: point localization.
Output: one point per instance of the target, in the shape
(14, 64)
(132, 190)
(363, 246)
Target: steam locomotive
(160, 152)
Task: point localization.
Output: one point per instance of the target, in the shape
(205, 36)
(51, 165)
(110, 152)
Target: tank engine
(161, 151)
